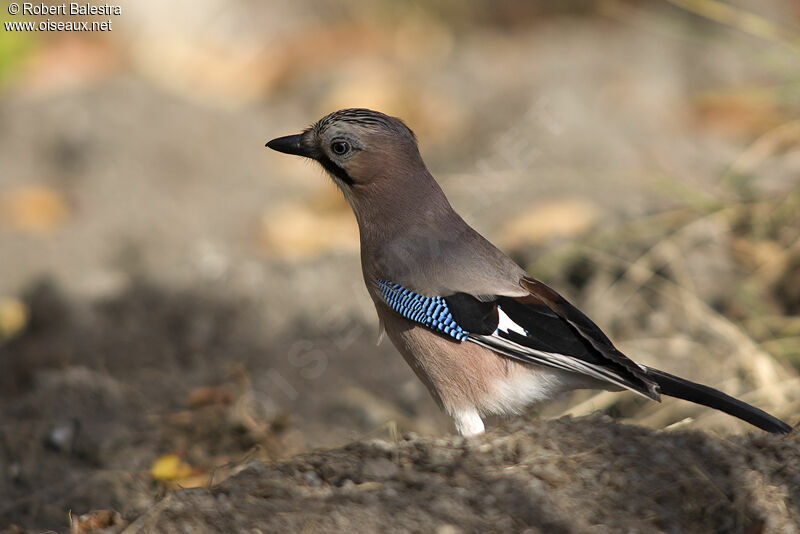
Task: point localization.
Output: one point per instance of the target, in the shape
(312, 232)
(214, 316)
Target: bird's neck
(395, 206)
(405, 227)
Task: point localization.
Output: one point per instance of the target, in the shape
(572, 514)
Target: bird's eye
(340, 148)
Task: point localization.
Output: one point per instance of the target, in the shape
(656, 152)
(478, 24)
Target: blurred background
(175, 298)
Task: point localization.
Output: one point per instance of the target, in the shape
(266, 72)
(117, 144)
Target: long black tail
(674, 386)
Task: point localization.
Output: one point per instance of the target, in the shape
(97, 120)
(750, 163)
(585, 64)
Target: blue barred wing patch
(429, 311)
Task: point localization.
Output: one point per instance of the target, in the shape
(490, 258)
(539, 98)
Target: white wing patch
(507, 325)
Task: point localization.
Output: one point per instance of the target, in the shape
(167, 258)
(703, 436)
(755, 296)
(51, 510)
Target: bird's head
(364, 151)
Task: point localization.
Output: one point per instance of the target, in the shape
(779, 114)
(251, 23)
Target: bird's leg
(468, 422)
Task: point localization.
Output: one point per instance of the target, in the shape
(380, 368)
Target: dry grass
(697, 292)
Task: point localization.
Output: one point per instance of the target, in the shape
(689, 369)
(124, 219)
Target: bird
(484, 336)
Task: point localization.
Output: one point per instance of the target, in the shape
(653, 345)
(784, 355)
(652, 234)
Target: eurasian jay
(482, 335)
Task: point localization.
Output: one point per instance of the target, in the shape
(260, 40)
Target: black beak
(291, 144)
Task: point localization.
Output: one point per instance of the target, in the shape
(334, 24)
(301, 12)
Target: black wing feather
(591, 333)
(473, 315)
(547, 331)
(556, 334)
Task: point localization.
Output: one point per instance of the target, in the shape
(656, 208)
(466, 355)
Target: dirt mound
(567, 475)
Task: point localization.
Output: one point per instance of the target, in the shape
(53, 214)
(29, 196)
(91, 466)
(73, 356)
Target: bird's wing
(540, 328)
(546, 326)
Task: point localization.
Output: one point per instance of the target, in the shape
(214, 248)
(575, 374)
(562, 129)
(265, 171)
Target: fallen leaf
(207, 396)
(170, 467)
(303, 231)
(559, 218)
(740, 113)
(13, 317)
(33, 209)
(95, 520)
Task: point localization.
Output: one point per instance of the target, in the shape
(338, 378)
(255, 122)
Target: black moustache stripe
(335, 170)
